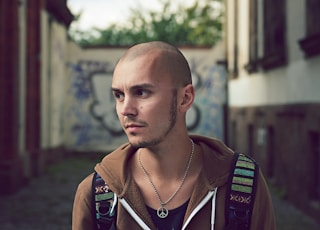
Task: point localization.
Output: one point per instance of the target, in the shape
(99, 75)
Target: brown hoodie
(132, 212)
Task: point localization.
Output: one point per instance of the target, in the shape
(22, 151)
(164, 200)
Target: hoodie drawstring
(213, 208)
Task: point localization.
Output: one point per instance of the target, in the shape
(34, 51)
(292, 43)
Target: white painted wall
(54, 57)
(45, 80)
(298, 83)
(58, 79)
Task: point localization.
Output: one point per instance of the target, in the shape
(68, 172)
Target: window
(315, 166)
(233, 66)
(234, 135)
(274, 24)
(271, 152)
(311, 44)
(253, 37)
(250, 140)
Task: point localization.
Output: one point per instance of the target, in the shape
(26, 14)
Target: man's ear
(187, 98)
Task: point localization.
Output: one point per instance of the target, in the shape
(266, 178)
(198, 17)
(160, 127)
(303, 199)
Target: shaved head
(168, 57)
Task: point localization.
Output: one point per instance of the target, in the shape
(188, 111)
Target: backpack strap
(241, 192)
(105, 202)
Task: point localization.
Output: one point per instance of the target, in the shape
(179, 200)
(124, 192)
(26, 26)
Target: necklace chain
(162, 208)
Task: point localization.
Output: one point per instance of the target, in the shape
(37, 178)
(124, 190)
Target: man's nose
(128, 107)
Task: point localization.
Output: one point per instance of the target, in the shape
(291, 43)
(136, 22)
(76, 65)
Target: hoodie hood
(113, 168)
(217, 159)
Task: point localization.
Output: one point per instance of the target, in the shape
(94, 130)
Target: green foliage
(197, 25)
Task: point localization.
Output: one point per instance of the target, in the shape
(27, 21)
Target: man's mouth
(133, 126)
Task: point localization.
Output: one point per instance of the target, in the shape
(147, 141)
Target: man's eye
(119, 96)
(142, 93)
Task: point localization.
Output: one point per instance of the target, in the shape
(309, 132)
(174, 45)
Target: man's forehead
(148, 65)
(144, 78)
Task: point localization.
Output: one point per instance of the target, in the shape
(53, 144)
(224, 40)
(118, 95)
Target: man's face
(146, 101)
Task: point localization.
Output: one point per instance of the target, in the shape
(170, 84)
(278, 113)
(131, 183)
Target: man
(164, 178)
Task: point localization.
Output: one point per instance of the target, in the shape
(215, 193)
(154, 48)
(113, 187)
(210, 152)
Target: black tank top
(173, 221)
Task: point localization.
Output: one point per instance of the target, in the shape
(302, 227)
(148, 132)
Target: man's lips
(133, 126)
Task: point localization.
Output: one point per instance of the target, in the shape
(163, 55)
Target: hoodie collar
(217, 159)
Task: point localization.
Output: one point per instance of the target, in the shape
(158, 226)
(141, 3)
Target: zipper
(203, 202)
(134, 214)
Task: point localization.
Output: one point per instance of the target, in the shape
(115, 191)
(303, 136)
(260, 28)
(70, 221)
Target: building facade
(32, 52)
(273, 56)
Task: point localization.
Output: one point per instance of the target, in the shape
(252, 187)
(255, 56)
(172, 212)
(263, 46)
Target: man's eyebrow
(135, 87)
(115, 89)
(142, 86)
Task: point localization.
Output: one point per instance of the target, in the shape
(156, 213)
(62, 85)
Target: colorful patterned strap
(105, 201)
(241, 192)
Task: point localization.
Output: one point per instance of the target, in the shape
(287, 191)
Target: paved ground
(46, 203)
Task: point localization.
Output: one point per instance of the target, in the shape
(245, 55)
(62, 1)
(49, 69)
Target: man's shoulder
(85, 187)
(216, 159)
(213, 149)
(86, 182)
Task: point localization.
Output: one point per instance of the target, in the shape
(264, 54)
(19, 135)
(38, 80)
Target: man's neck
(168, 161)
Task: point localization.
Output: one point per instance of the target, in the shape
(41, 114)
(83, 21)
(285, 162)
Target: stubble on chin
(145, 144)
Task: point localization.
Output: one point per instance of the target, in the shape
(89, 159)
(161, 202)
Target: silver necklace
(162, 211)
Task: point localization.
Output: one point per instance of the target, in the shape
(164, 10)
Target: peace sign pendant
(162, 212)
